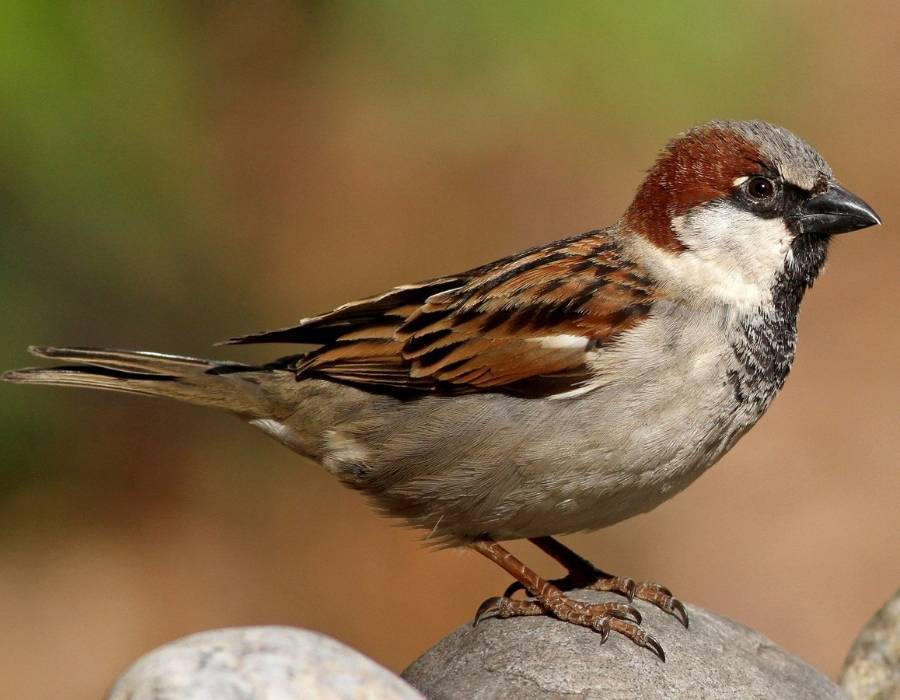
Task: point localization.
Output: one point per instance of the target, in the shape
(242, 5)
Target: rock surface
(537, 657)
(872, 668)
(258, 663)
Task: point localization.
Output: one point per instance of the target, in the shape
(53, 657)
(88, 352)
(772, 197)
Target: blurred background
(177, 173)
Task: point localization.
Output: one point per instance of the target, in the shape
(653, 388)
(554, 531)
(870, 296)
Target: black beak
(836, 211)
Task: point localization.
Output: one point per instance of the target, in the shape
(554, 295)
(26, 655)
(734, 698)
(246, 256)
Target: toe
(638, 636)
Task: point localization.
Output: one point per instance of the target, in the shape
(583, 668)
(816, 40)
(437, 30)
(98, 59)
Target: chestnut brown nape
(697, 167)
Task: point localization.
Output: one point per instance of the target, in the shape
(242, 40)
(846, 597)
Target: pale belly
(511, 467)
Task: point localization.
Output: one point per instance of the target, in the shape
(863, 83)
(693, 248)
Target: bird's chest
(670, 413)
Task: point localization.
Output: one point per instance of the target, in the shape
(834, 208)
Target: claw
(654, 646)
(630, 587)
(636, 616)
(488, 606)
(602, 627)
(679, 612)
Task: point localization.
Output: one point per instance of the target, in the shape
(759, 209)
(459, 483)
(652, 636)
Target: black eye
(760, 188)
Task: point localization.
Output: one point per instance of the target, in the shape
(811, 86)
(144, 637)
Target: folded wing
(525, 324)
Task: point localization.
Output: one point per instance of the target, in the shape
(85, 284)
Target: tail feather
(129, 360)
(228, 385)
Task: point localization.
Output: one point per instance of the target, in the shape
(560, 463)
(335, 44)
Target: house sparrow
(561, 389)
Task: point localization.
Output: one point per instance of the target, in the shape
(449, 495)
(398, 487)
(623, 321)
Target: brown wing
(523, 324)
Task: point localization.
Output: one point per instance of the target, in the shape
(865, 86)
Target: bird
(561, 389)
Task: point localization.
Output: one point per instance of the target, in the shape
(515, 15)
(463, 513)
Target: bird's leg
(547, 599)
(583, 574)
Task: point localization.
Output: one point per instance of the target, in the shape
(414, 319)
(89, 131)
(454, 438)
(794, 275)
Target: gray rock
(537, 657)
(258, 663)
(872, 668)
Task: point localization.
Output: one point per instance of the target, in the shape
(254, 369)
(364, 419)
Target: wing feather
(525, 324)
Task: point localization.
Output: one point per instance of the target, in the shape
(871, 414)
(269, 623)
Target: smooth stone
(539, 657)
(258, 663)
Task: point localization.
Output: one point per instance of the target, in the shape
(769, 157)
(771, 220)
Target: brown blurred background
(174, 174)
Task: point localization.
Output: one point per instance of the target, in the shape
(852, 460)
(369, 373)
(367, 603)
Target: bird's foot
(546, 598)
(648, 591)
(653, 593)
(594, 579)
(583, 574)
(600, 617)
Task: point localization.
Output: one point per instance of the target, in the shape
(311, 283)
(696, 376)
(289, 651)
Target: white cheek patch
(732, 256)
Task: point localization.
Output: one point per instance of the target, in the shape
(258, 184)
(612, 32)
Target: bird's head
(730, 207)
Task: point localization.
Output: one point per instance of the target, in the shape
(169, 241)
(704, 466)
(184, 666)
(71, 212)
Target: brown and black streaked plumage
(524, 324)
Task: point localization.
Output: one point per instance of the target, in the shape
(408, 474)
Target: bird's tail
(227, 385)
